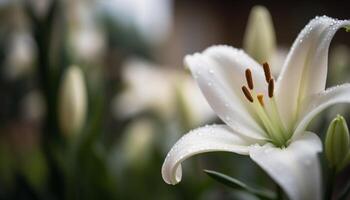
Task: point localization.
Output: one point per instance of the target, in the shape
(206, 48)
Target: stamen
(267, 72)
(261, 99)
(271, 87)
(247, 94)
(248, 76)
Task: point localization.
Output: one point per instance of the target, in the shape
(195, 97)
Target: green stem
(330, 184)
(42, 32)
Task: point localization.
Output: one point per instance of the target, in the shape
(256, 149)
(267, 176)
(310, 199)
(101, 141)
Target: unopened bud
(73, 101)
(337, 143)
(259, 39)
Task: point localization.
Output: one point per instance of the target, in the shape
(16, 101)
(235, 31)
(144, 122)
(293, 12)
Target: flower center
(266, 111)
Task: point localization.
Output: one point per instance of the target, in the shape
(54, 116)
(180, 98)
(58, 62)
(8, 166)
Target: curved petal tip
(201, 140)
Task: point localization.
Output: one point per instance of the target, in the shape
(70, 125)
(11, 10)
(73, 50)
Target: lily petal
(201, 140)
(219, 72)
(305, 69)
(296, 168)
(317, 103)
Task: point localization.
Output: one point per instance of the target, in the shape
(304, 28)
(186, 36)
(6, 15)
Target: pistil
(261, 99)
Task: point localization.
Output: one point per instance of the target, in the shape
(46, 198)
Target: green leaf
(347, 28)
(236, 184)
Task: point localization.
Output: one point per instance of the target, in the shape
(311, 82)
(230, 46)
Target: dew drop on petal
(268, 150)
(307, 162)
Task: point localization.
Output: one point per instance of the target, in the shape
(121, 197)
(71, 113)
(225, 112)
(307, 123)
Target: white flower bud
(259, 39)
(72, 101)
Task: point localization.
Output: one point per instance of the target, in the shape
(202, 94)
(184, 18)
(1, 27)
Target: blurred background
(93, 94)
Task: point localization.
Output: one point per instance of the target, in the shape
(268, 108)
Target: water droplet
(307, 162)
(267, 150)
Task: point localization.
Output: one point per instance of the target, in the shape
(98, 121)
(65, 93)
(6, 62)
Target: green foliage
(347, 28)
(238, 185)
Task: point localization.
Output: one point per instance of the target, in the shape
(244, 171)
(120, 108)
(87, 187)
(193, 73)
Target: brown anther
(248, 76)
(271, 87)
(247, 94)
(261, 99)
(267, 72)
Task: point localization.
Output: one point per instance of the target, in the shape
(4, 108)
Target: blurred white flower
(154, 88)
(85, 37)
(20, 55)
(196, 107)
(148, 87)
(87, 44)
(72, 101)
(151, 18)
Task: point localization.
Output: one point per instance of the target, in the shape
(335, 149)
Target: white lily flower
(266, 119)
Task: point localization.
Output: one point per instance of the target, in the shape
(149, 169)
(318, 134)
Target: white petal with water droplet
(305, 70)
(201, 140)
(296, 168)
(317, 103)
(220, 74)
